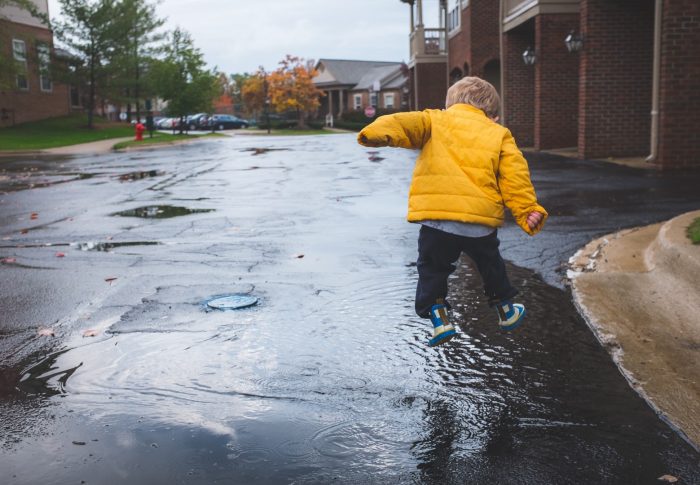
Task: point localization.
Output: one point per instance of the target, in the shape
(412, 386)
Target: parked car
(200, 121)
(226, 122)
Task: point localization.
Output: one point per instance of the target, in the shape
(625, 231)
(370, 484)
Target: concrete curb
(638, 291)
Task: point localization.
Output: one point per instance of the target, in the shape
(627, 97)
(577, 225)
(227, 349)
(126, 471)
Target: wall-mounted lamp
(529, 56)
(574, 41)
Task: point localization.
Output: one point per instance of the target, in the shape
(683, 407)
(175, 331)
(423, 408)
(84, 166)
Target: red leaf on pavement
(45, 332)
(90, 333)
(35, 215)
(8, 260)
(60, 255)
(109, 280)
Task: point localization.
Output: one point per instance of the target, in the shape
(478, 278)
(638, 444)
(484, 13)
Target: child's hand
(370, 143)
(534, 219)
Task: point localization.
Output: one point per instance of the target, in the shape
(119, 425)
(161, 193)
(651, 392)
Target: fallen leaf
(24, 231)
(90, 333)
(667, 479)
(45, 332)
(79, 443)
(35, 215)
(298, 256)
(109, 280)
(8, 260)
(60, 255)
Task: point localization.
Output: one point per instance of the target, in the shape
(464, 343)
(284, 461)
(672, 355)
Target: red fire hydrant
(139, 131)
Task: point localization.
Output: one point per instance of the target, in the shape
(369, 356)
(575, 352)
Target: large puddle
(160, 212)
(328, 379)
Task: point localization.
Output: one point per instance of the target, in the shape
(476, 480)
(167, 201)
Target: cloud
(239, 35)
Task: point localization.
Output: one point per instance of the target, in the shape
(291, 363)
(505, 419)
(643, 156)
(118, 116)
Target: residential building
(354, 85)
(601, 77)
(32, 94)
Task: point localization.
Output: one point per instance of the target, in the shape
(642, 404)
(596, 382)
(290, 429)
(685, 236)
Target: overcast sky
(240, 35)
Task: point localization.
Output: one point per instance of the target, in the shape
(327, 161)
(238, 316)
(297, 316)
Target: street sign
(370, 111)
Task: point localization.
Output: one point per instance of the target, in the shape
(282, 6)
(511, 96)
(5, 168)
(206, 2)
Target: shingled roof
(345, 73)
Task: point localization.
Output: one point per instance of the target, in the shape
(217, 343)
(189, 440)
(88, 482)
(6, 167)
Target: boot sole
(442, 338)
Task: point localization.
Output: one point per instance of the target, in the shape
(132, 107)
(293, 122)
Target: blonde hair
(476, 92)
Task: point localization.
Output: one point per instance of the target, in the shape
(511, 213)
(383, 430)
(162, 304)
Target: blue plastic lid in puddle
(231, 302)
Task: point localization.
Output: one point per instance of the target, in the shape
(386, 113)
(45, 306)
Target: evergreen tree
(182, 78)
(90, 31)
(138, 43)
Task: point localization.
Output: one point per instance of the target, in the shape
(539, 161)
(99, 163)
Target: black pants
(438, 252)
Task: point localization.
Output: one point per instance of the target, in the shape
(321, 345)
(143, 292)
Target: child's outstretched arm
(516, 188)
(405, 130)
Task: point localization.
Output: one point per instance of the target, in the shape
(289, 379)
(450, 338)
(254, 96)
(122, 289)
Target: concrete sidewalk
(639, 290)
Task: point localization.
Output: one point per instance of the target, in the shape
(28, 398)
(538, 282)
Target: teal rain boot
(443, 331)
(510, 315)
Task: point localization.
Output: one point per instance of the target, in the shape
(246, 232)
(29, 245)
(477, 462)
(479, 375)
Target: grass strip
(160, 139)
(693, 231)
(58, 132)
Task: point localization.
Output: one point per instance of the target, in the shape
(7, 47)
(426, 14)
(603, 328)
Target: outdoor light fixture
(574, 42)
(529, 56)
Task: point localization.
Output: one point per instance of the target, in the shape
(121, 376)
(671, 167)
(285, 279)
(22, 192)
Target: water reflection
(160, 212)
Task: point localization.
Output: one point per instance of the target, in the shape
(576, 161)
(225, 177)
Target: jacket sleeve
(515, 185)
(404, 130)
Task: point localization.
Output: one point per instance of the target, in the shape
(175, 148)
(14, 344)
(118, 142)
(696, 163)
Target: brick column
(519, 85)
(616, 78)
(679, 101)
(432, 84)
(556, 83)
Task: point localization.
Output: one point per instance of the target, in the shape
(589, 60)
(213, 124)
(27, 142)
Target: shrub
(694, 231)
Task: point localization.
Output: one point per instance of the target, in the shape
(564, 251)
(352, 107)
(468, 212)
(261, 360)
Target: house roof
(341, 72)
(383, 74)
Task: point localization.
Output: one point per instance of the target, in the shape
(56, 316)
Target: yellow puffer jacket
(469, 166)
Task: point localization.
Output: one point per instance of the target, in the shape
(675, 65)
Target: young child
(468, 169)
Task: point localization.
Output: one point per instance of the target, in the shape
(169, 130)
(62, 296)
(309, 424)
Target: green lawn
(694, 231)
(159, 139)
(57, 132)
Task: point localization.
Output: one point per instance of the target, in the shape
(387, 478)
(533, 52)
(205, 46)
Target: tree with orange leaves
(253, 92)
(291, 88)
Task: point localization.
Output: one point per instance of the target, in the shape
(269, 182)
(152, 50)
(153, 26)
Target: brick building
(31, 93)
(625, 84)
(354, 85)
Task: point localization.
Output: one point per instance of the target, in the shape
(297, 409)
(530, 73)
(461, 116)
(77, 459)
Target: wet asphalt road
(328, 379)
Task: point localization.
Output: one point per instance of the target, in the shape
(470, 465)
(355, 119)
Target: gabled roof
(383, 74)
(340, 72)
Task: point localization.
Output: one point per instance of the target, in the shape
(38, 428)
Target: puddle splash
(160, 212)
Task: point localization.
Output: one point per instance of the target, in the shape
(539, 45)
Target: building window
(44, 57)
(19, 49)
(389, 100)
(357, 101)
(373, 99)
(19, 52)
(454, 15)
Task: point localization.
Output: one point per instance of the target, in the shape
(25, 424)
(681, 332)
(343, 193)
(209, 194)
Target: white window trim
(393, 100)
(44, 65)
(355, 104)
(24, 50)
(23, 60)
